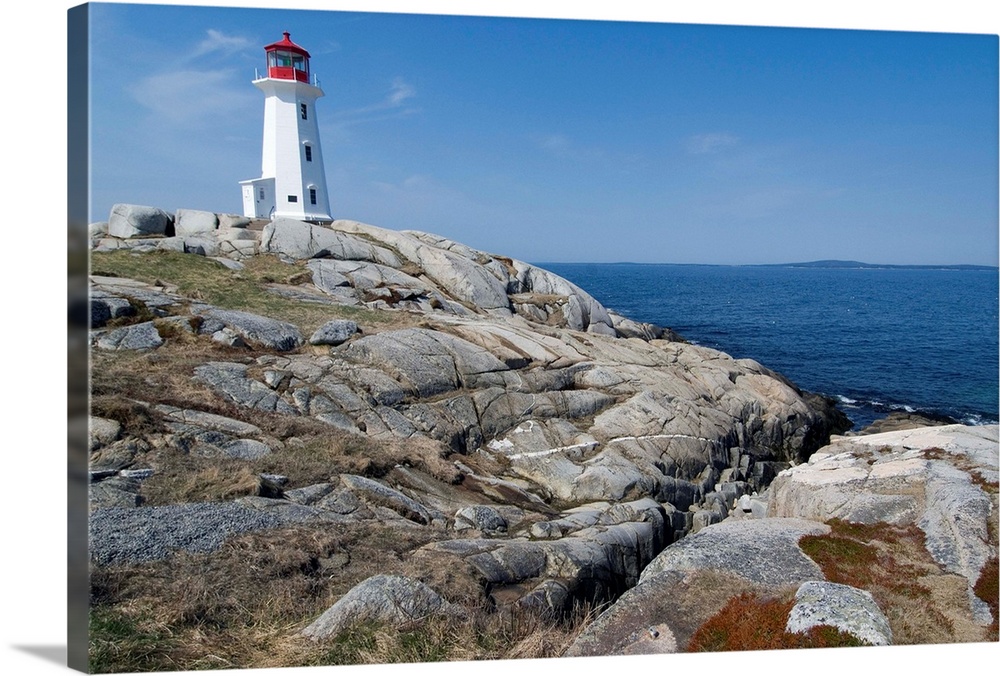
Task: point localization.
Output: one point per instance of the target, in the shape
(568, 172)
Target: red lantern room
(287, 61)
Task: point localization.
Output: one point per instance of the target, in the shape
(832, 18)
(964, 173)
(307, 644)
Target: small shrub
(987, 589)
(748, 622)
(843, 560)
(135, 419)
(934, 453)
(893, 564)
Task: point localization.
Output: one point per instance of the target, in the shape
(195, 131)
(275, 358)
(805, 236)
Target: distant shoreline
(826, 265)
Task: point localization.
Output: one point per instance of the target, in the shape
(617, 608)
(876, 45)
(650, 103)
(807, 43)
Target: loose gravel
(134, 535)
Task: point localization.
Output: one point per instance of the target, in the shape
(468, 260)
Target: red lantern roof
(286, 44)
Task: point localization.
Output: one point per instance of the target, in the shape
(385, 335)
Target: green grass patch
(119, 643)
(843, 560)
(204, 279)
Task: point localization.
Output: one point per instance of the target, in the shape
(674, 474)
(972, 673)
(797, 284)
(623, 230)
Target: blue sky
(574, 140)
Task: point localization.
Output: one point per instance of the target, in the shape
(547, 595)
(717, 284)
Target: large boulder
(390, 599)
(193, 222)
(298, 240)
(130, 220)
(429, 362)
(849, 609)
(334, 332)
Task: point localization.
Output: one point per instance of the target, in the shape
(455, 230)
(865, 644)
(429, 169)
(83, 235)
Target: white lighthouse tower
(292, 180)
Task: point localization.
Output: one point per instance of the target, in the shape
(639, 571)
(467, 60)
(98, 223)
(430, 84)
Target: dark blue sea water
(876, 340)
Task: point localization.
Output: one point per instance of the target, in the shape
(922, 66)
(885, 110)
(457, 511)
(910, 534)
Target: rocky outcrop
(569, 446)
(691, 580)
(901, 420)
(933, 477)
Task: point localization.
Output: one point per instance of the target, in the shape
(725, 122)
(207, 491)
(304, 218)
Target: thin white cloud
(400, 92)
(706, 144)
(217, 41)
(186, 92)
(554, 142)
(563, 147)
(187, 96)
(392, 106)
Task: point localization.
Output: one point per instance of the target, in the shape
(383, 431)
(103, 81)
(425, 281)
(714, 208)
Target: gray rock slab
(387, 599)
(104, 307)
(760, 550)
(308, 495)
(660, 615)
(917, 476)
(103, 431)
(208, 421)
(334, 332)
(115, 492)
(142, 336)
(431, 362)
(378, 494)
(483, 518)
(233, 221)
(226, 336)
(257, 329)
(329, 274)
(202, 245)
(155, 298)
(231, 380)
(97, 229)
(246, 449)
(849, 609)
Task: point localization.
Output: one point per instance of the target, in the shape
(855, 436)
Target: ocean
(875, 340)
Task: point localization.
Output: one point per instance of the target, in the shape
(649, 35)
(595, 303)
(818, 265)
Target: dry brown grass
(190, 477)
(164, 375)
(241, 606)
(244, 606)
(135, 419)
(198, 480)
(750, 622)
(922, 602)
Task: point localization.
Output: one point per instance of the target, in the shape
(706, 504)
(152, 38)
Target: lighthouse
(292, 179)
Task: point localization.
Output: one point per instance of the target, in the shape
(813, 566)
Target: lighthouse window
(312, 195)
(293, 198)
(309, 154)
(302, 109)
(281, 59)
